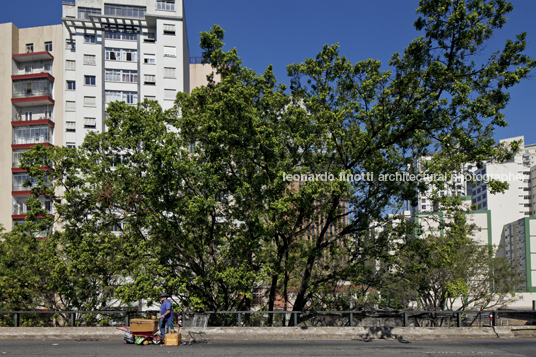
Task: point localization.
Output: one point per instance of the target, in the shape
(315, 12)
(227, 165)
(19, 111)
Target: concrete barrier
(283, 333)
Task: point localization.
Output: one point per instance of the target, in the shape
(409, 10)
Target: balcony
(37, 75)
(32, 57)
(23, 184)
(26, 137)
(20, 208)
(19, 181)
(35, 91)
(40, 121)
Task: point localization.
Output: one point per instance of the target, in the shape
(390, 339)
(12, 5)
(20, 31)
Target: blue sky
(282, 32)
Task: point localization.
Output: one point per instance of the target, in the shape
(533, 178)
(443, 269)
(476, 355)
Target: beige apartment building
(31, 107)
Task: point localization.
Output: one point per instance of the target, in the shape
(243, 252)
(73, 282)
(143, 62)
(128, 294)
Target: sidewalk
(282, 333)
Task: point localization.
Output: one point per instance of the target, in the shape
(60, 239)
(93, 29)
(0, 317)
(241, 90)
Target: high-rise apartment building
(56, 81)
(517, 201)
(120, 50)
(31, 67)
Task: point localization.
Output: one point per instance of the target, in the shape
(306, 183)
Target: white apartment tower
(126, 50)
(518, 200)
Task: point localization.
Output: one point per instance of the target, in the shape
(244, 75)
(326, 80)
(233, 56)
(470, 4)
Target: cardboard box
(143, 325)
(172, 339)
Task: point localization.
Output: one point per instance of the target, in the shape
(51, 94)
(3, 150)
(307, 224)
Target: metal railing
(196, 60)
(281, 318)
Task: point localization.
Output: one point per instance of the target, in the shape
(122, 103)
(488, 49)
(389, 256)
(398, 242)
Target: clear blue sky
(282, 32)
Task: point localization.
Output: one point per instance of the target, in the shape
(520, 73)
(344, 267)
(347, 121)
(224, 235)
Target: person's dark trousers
(163, 325)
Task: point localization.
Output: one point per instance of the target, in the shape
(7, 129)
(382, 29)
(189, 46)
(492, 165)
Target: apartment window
(90, 60)
(127, 97)
(90, 123)
(121, 35)
(71, 85)
(70, 126)
(17, 155)
(130, 97)
(90, 39)
(191, 148)
(70, 106)
(169, 94)
(70, 45)
(150, 97)
(121, 75)
(29, 48)
(117, 54)
(90, 102)
(48, 46)
(48, 68)
(169, 72)
(70, 145)
(170, 51)
(150, 37)
(90, 80)
(137, 12)
(149, 79)
(423, 207)
(168, 5)
(169, 29)
(48, 206)
(28, 69)
(70, 65)
(149, 59)
(28, 116)
(85, 12)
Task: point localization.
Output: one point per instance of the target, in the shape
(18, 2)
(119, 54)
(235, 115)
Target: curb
(282, 333)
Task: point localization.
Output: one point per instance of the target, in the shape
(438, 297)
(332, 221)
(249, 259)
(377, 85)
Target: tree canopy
(199, 197)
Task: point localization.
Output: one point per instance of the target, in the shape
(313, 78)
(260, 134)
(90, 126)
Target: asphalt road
(324, 348)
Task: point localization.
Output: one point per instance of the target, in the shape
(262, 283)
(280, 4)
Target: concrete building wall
(18, 115)
(9, 44)
(507, 206)
(199, 73)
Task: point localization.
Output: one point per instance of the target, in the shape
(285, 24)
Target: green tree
(341, 117)
(438, 270)
(215, 223)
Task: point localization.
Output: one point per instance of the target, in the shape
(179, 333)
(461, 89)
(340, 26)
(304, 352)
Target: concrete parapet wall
(285, 333)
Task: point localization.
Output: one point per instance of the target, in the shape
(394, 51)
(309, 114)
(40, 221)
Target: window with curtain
(170, 51)
(169, 72)
(90, 60)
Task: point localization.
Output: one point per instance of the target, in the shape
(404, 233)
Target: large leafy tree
(343, 117)
(215, 222)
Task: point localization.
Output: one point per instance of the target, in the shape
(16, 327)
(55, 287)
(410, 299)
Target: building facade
(31, 92)
(120, 50)
(58, 80)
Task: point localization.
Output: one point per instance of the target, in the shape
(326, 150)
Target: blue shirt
(166, 305)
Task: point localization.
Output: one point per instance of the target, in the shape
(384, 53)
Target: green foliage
(216, 224)
(440, 268)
